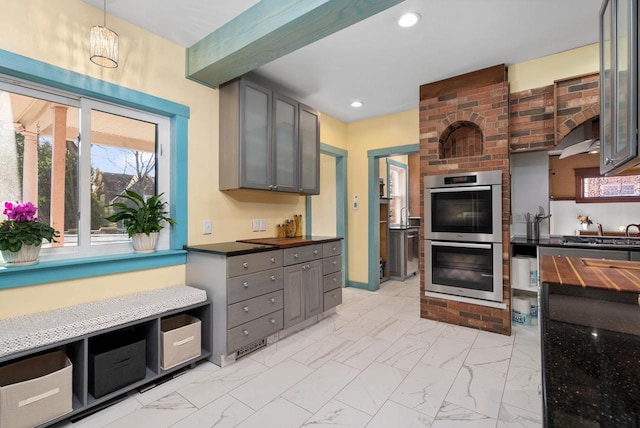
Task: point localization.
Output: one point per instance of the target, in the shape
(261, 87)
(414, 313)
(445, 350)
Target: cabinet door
(285, 144)
(293, 295)
(255, 136)
(309, 151)
(313, 289)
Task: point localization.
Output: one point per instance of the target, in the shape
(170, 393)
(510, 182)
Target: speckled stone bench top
(43, 328)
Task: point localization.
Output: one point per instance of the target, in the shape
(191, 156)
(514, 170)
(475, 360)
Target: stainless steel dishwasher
(404, 252)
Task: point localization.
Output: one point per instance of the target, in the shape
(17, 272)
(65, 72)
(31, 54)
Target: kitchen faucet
(402, 222)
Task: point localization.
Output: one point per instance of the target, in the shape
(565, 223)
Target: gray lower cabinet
(332, 278)
(303, 292)
(247, 295)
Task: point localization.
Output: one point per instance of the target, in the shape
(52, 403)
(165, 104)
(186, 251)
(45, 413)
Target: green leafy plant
(23, 228)
(141, 216)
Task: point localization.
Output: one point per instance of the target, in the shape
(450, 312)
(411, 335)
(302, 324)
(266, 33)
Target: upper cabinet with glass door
(618, 85)
(267, 140)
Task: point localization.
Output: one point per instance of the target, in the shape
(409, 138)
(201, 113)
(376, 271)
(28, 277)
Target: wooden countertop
(620, 275)
(290, 242)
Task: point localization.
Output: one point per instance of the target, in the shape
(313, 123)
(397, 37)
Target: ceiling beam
(269, 30)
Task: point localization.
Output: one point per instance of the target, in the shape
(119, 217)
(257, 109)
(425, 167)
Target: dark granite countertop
(230, 248)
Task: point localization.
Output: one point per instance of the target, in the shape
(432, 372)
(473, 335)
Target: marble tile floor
(374, 363)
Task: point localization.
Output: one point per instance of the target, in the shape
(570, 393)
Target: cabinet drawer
(252, 331)
(302, 254)
(331, 248)
(248, 286)
(331, 264)
(332, 299)
(256, 262)
(248, 310)
(331, 281)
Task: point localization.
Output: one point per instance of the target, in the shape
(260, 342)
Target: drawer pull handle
(304, 266)
(272, 321)
(246, 332)
(315, 251)
(335, 262)
(333, 249)
(334, 296)
(335, 279)
(245, 284)
(295, 256)
(245, 265)
(273, 259)
(273, 277)
(272, 300)
(246, 309)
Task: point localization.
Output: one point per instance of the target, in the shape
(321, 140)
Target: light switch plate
(255, 225)
(206, 227)
(263, 224)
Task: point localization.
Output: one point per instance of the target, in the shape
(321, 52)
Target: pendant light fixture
(104, 44)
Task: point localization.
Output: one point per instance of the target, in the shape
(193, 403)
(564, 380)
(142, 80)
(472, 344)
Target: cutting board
(279, 242)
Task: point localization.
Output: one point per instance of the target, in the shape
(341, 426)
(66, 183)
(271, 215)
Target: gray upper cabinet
(618, 86)
(309, 150)
(267, 140)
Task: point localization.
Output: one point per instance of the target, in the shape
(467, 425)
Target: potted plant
(21, 234)
(143, 219)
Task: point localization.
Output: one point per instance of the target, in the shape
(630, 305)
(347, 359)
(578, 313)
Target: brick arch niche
(461, 139)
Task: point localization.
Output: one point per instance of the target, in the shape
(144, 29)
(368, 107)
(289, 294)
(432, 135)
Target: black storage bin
(115, 360)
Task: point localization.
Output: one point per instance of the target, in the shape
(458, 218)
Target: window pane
(123, 157)
(39, 162)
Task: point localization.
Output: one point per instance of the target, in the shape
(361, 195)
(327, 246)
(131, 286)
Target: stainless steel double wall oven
(463, 234)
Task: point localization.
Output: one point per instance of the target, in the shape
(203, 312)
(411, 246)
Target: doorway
(373, 172)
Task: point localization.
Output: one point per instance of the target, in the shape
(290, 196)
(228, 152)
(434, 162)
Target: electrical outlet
(263, 225)
(355, 202)
(206, 227)
(255, 225)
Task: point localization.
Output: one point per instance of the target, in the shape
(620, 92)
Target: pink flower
(20, 212)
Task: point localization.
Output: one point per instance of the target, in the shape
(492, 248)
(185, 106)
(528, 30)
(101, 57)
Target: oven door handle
(459, 189)
(486, 275)
(460, 245)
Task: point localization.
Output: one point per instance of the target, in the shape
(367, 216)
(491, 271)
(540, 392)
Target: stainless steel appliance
(466, 269)
(463, 207)
(463, 234)
(404, 252)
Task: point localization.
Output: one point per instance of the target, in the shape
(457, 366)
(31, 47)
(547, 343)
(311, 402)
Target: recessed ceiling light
(356, 104)
(409, 19)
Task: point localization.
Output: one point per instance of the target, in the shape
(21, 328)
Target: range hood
(584, 139)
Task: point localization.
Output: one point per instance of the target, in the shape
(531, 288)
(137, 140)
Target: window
(592, 187)
(71, 156)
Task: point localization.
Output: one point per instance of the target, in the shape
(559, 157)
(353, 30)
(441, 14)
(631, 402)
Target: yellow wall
(543, 71)
(397, 129)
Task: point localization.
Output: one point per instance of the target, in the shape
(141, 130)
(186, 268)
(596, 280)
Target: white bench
(32, 331)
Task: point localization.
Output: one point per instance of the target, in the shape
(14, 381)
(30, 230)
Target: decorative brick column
(482, 112)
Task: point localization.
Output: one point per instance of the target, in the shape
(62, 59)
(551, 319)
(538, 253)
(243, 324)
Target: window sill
(61, 270)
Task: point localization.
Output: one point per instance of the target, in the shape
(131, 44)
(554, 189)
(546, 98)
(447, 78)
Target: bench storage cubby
(35, 390)
(180, 339)
(108, 361)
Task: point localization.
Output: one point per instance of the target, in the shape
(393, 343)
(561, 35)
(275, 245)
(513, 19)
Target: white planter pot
(143, 243)
(28, 255)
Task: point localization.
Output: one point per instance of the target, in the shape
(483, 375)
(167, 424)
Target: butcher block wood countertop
(290, 242)
(619, 275)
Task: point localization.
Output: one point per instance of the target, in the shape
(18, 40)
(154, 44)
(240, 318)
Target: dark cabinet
(618, 85)
(267, 141)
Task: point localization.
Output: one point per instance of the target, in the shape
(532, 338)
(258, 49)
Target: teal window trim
(374, 202)
(31, 70)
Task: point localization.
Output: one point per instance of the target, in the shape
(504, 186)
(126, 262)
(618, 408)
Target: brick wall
(540, 118)
(487, 109)
(577, 100)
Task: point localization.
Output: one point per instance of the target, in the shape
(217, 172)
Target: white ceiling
(379, 63)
